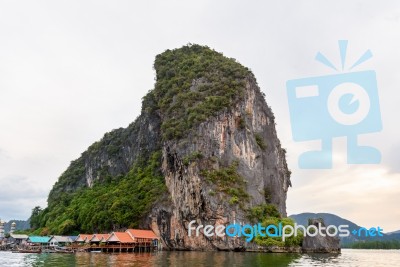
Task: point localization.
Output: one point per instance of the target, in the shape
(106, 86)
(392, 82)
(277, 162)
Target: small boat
(37, 251)
(48, 251)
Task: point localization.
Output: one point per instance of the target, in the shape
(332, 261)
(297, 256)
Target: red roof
(99, 237)
(147, 234)
(105, 236)
(84, 237)
(122, 237)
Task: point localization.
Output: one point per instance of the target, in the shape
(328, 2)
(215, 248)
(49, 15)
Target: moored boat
(37, 251)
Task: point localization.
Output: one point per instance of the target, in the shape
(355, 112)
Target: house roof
(61, 239)
(122, 237)
(73, 238)
(39, 239)
(83, 238)
(15, 236)
(147, 234)
(99, 237)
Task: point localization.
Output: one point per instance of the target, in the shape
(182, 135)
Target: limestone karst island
(203, 155)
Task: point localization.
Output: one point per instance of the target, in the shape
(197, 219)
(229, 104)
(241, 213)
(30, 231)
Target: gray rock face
(113, 156)
(192, 198)
(319, 243)
(244, 134)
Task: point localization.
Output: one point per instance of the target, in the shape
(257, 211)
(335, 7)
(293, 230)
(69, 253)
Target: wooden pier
(114, 248)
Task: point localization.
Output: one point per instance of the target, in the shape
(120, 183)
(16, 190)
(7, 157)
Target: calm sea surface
(348, 257)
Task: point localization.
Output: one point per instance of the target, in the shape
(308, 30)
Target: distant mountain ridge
(395, 232)
(332, 219)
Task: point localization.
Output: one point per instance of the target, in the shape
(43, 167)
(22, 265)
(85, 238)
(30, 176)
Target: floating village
(131, 240)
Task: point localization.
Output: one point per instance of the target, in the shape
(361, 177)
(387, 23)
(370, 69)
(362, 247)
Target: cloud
(392, 158)
(18, 195)
(3, 155)
(365, 195)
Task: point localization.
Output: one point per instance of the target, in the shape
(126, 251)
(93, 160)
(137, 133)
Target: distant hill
(332, 219)
(21, 225)
(395, 232)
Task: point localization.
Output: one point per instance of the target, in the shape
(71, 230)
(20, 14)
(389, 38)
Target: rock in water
(319, 243)
(220, 156)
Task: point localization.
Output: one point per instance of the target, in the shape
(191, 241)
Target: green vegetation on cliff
(105, 206)
(268, 214)
(194, 83)
(267, 241)
(230, 182)
(74, 177)
(260, 212)
(114, 184)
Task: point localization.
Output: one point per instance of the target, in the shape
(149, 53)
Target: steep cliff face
(243, 134)
(112, 157)
(221, 156)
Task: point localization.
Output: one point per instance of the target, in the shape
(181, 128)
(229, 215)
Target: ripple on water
(359, 258)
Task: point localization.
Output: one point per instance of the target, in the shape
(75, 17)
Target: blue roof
(39, 239)
(73, 237)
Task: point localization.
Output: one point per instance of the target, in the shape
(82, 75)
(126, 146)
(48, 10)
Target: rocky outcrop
(225, 139)
(220, 152)
(320, 243)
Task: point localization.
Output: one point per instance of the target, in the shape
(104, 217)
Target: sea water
(348, 257)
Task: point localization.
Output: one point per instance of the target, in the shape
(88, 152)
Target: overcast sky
(72, 70)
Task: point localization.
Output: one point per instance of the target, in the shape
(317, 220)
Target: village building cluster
(132, 240)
